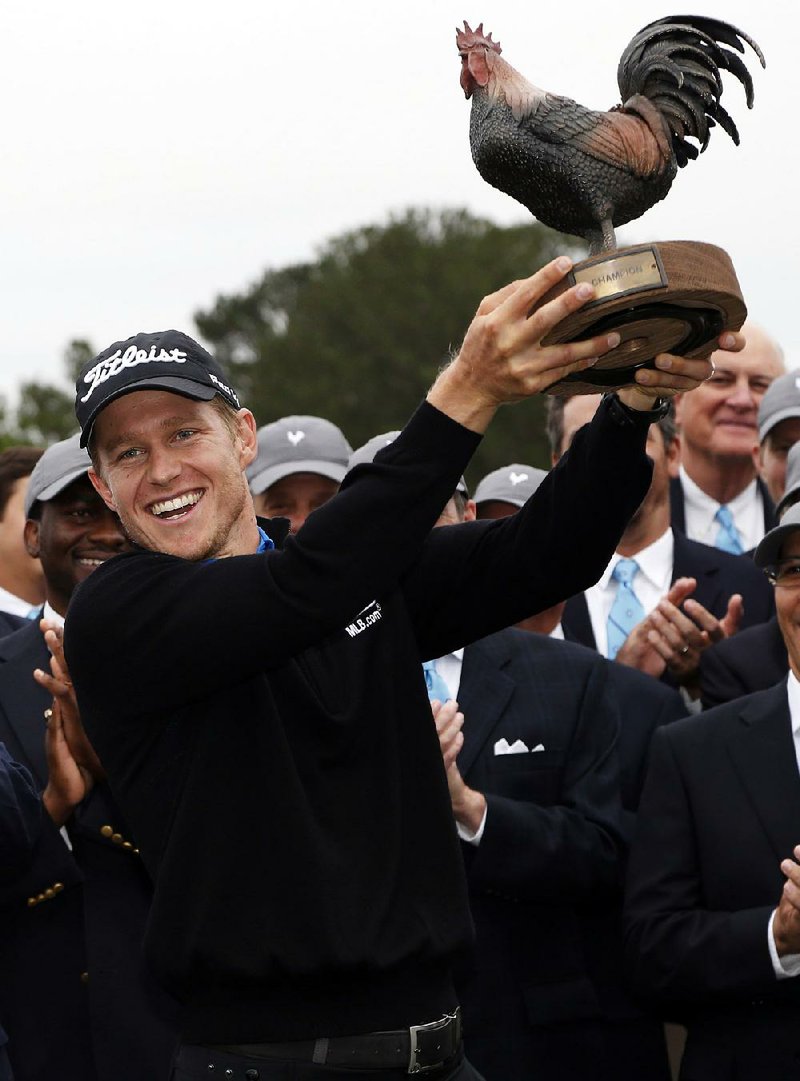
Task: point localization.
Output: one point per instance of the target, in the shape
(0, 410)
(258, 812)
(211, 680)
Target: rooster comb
(469, 38)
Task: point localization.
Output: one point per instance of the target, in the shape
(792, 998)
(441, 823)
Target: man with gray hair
(717, 497)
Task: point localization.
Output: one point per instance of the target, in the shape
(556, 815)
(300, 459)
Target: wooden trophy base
(673, 297)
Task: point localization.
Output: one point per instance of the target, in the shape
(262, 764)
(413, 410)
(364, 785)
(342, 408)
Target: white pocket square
(517, 747)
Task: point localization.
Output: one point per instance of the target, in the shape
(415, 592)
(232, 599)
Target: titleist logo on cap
(222, 386)
(132, 356)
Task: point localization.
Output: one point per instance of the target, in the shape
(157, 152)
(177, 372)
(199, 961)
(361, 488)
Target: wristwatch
(625, 414)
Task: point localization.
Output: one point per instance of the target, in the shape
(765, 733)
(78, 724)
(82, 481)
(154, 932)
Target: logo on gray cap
(513, 484)
(298, 444)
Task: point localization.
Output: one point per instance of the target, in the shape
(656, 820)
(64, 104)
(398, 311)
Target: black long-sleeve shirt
(266, 730)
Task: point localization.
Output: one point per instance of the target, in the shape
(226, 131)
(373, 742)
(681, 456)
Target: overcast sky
(157, 154)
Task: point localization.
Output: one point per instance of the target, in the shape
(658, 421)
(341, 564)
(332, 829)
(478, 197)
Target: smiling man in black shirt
(263, 718)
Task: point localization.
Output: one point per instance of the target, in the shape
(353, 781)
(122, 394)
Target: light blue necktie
(626, 611)
(728, 539)
(437, 688)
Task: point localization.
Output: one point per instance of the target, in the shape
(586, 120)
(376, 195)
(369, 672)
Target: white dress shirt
(747, 510)
(789, 964)
(449, 668)
(50, 613)
(650, 583)
(9, 602)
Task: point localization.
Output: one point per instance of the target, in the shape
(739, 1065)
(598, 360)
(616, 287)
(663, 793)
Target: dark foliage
(358, 335)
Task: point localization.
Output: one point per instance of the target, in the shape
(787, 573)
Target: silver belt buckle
(432, 1026)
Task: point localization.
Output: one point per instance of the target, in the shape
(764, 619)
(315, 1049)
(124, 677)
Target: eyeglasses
(785, 574)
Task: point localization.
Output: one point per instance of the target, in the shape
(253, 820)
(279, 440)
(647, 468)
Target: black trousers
(194, 1063)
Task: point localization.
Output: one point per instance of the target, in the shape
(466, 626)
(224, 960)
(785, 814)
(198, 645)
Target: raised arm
(265, 609)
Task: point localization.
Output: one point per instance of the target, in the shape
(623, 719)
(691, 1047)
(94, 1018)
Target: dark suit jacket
(554, 836)
(67, 913)
(719, 574)
(720, 810)
(20, 815)
(678, 509)
(10, 623)
(644, 705)
(751, 660)
(21, 819)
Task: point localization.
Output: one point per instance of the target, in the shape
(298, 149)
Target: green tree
(78, 352)
(358, 335)
(8, 434)
(46, 413)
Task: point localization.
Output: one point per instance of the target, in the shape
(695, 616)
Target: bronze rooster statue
(586, 172)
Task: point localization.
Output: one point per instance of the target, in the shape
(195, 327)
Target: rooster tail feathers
(721, 31)
(724, 120)
(737, 66)
(676, 63)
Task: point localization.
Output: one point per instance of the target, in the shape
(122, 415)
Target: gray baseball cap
(367, 452)
(768, 551)
(511, 484)
(60, 465)
(298, 444)
(780, 402)
(791, 492)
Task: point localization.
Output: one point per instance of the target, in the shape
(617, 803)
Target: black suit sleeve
(720, 681)
(20, 816)
(477, 578)
(33, 854)
(676, 948)
(547, 853)
(751, 660)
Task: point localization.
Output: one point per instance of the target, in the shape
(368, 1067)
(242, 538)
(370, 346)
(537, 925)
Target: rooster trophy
(586, 172)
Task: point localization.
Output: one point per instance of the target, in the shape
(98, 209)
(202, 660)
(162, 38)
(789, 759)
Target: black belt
(416, 1049)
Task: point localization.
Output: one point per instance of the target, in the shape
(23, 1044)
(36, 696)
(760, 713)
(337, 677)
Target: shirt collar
(9, 602)
(700, 501)
(50, 613)
(655, 562)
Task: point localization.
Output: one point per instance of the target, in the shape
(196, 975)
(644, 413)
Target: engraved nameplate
(623, 274)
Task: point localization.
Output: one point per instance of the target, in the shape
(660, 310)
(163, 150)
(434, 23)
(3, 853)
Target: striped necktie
(727, 539)
(437, 688)
(626, 611)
